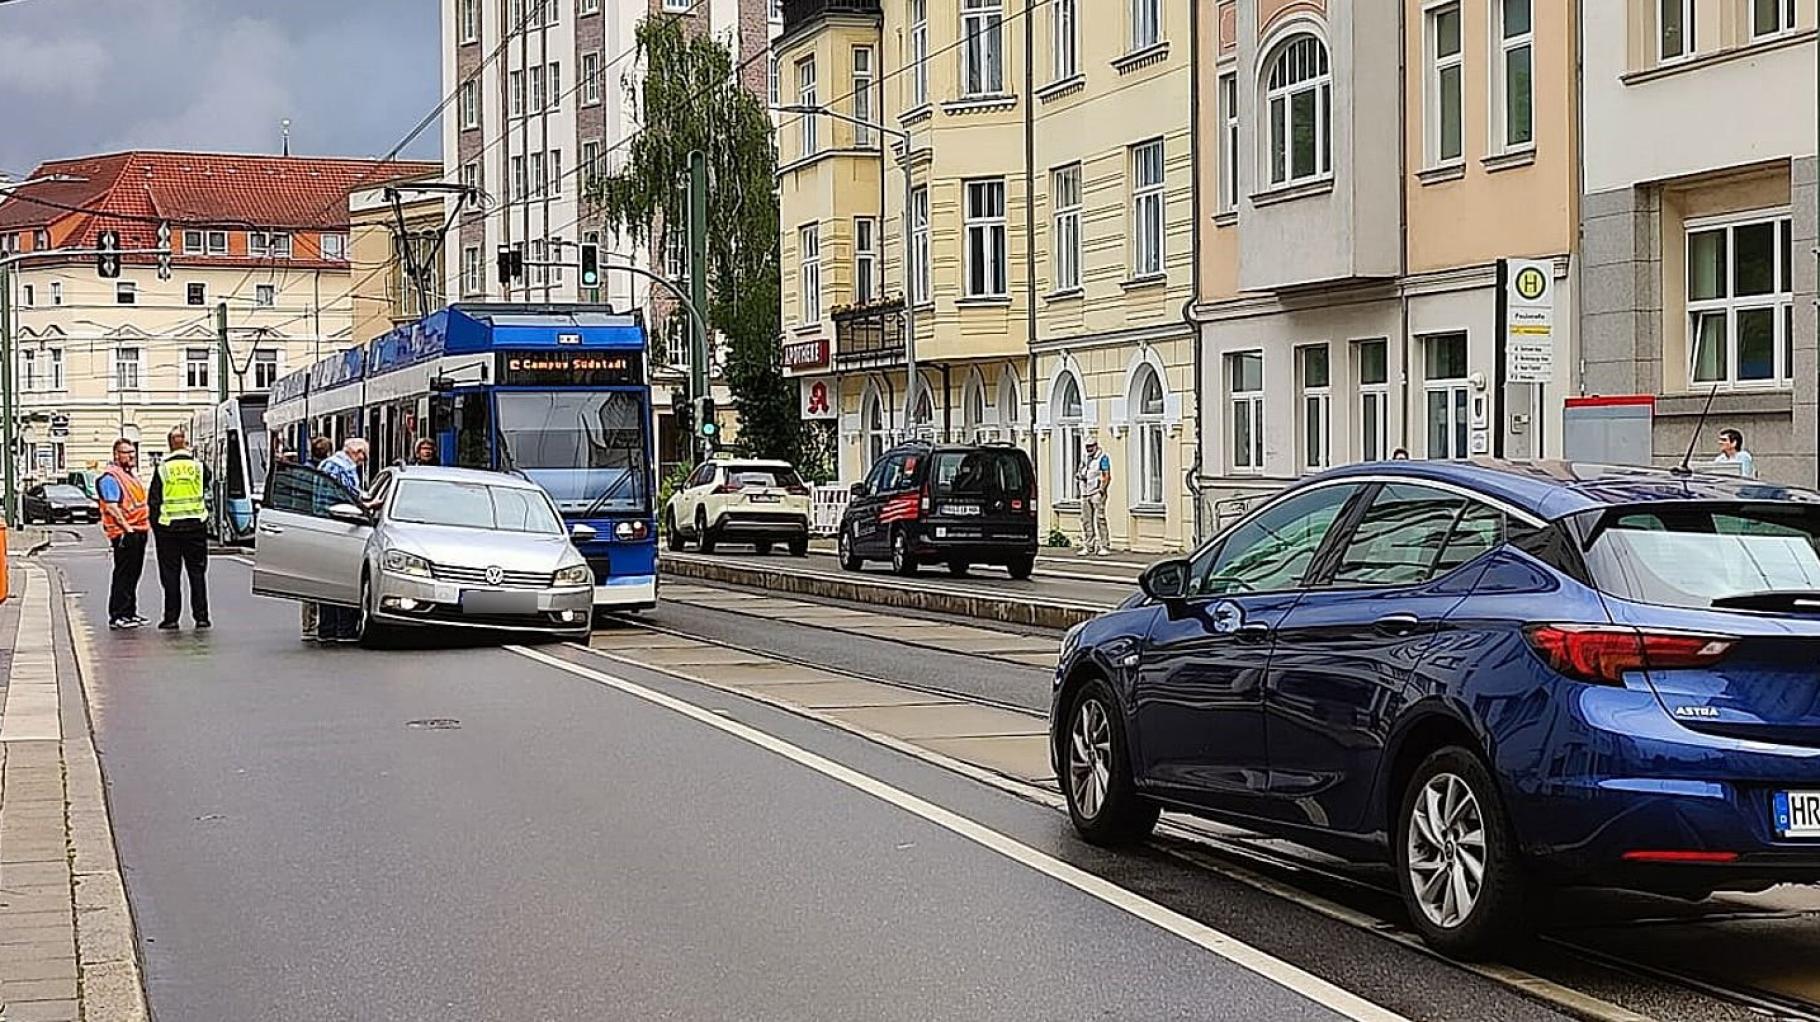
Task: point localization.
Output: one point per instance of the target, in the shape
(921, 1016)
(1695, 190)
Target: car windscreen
(473, 506)
(1706, 554)
(763, 476)
(63, 491)
(983, 473)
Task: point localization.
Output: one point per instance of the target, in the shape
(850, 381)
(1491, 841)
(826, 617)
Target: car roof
(1556, 489)
(441, 474)
(752, 463)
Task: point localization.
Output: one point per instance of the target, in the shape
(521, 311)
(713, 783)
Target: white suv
(741, 501)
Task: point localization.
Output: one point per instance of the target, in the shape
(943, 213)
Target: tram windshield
(585, 448)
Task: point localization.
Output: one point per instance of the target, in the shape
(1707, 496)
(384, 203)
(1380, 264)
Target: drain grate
(434, 724)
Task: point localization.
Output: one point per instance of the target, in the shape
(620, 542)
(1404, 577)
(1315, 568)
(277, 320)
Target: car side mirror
(353, 514)
(1166, 581)
(860, 490)
(582, 532)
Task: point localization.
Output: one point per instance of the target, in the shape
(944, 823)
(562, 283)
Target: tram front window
(586, 448)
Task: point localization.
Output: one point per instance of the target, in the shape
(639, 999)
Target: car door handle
(271, 530)
(1256, 631)
(1397, 624)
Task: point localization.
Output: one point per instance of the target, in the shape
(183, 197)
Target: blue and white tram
(230, 439)
(556, 393)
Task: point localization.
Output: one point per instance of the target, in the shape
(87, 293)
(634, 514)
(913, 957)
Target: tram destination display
(571, 368)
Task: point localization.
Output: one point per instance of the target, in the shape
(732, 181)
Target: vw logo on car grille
(495, 575)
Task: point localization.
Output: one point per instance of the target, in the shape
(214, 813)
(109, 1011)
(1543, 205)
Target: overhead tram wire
(733, 76)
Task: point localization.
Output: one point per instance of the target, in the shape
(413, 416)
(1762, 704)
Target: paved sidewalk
(67, 952)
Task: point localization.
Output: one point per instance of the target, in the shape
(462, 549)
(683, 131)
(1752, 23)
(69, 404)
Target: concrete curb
(1056, 614)
(107, 946)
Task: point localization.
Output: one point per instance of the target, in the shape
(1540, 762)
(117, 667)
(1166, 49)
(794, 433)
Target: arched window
(1146, 400)
(973, 412)
(1011, 411)
(878, 438)
(922, 412)
(1070, 435)
(1298, 101)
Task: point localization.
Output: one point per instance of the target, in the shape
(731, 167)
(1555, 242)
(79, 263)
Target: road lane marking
(1207, 938)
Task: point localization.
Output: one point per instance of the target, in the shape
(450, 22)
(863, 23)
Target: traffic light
(511, 265)
(164, 251)
(706, 425)
(682, 413)
(590, 265)
(107, 260)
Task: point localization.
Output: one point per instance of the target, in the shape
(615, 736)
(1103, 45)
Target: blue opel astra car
(1491, 675)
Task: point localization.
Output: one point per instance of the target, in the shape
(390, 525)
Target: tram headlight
(407, 564)
(574, 575)
(631, 530)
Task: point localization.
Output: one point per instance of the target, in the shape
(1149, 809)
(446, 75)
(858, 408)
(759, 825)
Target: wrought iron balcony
(798, 13)
(869, 336)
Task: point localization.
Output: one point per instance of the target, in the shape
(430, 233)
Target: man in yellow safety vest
(179, 511)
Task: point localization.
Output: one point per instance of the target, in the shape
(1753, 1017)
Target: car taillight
(1017, 505)
(1603, 653)
(924, 503)
(725, 488)
(797, 490)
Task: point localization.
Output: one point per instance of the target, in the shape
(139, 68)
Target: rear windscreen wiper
(1785, 600)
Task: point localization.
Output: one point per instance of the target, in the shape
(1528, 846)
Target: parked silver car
(425, 546)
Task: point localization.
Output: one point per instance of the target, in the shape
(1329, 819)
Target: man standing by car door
(179, 510)
(339, 624)
(127, 521)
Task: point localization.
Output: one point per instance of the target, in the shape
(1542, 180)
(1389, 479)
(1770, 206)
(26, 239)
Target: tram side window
(473, 427)
(236, 468)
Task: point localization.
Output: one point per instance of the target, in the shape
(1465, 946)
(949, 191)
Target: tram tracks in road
(1352, 895)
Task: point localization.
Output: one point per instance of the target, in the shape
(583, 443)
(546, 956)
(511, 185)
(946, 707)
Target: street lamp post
(811, 110)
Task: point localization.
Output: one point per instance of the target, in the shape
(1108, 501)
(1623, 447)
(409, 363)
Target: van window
(982, 473)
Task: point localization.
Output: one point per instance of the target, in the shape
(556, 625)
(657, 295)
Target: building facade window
(1229, 142)
(1740, 301)
(217, 242)
(1316, 382)
(28, 369)
(333, 247)
(809, 279)
(192, 242)
(196, 368)
(126, 293)
(470, 105)
(54, 368)
(1298, 100)
(985, 223)
(1771, 17)
(538, 263)
(919, 52)
(552, 85)
(676, 253)
(872, 422)
(1447, 394)
(265, 368)
(1146, 24)
(863, 79)
(1148, 215)
(1065, 233)
(590, 79)
(515, 83)
(1446, 97)
(520, 185)
(1147, 411)
(261, 245)
(865, 260)
(1070, 436)
(195, 294)
(540, 179)
(774, 89)
(470, 21)
(805, 97)
(470, 270)
(983, 48)
(1011, 410)
(1513, 80)
(28, 295)
(1372, 359)
(56, 293)
(919, 245)
(556, 176)
(1245, 406)
(590, 163)
(1064, 39)
(265, 295)
(588, 7)
(126, 367)
(1675, 29)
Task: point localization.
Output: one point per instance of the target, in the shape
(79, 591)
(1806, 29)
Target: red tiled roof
(296, 193)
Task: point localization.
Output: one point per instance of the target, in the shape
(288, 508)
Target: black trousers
(129, 564)
(181, 552)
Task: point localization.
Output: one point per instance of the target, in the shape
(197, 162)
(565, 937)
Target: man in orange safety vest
(126, 519)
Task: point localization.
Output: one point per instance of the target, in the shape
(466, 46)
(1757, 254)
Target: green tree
(688, 98)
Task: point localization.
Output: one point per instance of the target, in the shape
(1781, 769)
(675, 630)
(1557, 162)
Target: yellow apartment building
(1051, 237)
(1356, 223)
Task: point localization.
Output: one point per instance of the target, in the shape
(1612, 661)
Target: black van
(954, 504)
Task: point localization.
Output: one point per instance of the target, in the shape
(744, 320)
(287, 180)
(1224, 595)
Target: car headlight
(407, 564)
(574, 575)
(630, 530)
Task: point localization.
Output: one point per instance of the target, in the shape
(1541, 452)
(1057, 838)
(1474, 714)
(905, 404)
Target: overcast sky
(85, 76)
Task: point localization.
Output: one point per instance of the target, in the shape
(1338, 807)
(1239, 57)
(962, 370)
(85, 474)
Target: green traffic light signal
(590, 266)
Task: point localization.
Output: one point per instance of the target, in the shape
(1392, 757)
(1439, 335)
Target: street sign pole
(6, 386)
(221, 342)
(698, 273)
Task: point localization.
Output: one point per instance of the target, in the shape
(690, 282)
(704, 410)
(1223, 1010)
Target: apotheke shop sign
(806, 354)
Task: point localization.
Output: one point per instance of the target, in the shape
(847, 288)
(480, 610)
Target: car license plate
(1798, 813)
(765, 498)
(486, 601)
(962, 510)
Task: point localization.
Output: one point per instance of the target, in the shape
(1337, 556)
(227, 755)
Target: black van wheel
(958, 568)
(1020, 569)
(902, 560)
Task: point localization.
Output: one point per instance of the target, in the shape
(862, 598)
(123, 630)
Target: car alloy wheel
(675, 538)
(902, 561)
(1090, 758)
(848, 559)
(1446, 855)
(704, 540)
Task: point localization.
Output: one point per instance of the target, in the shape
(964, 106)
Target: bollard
(3, 570)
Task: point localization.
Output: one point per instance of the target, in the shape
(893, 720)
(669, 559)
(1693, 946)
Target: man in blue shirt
(1732, 452)
(339, 624)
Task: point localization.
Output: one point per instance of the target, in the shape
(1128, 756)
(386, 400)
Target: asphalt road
(296, 846)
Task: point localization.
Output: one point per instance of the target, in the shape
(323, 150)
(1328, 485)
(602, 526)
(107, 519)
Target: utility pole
(6, 385)
(221, 344)
(698, 272)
